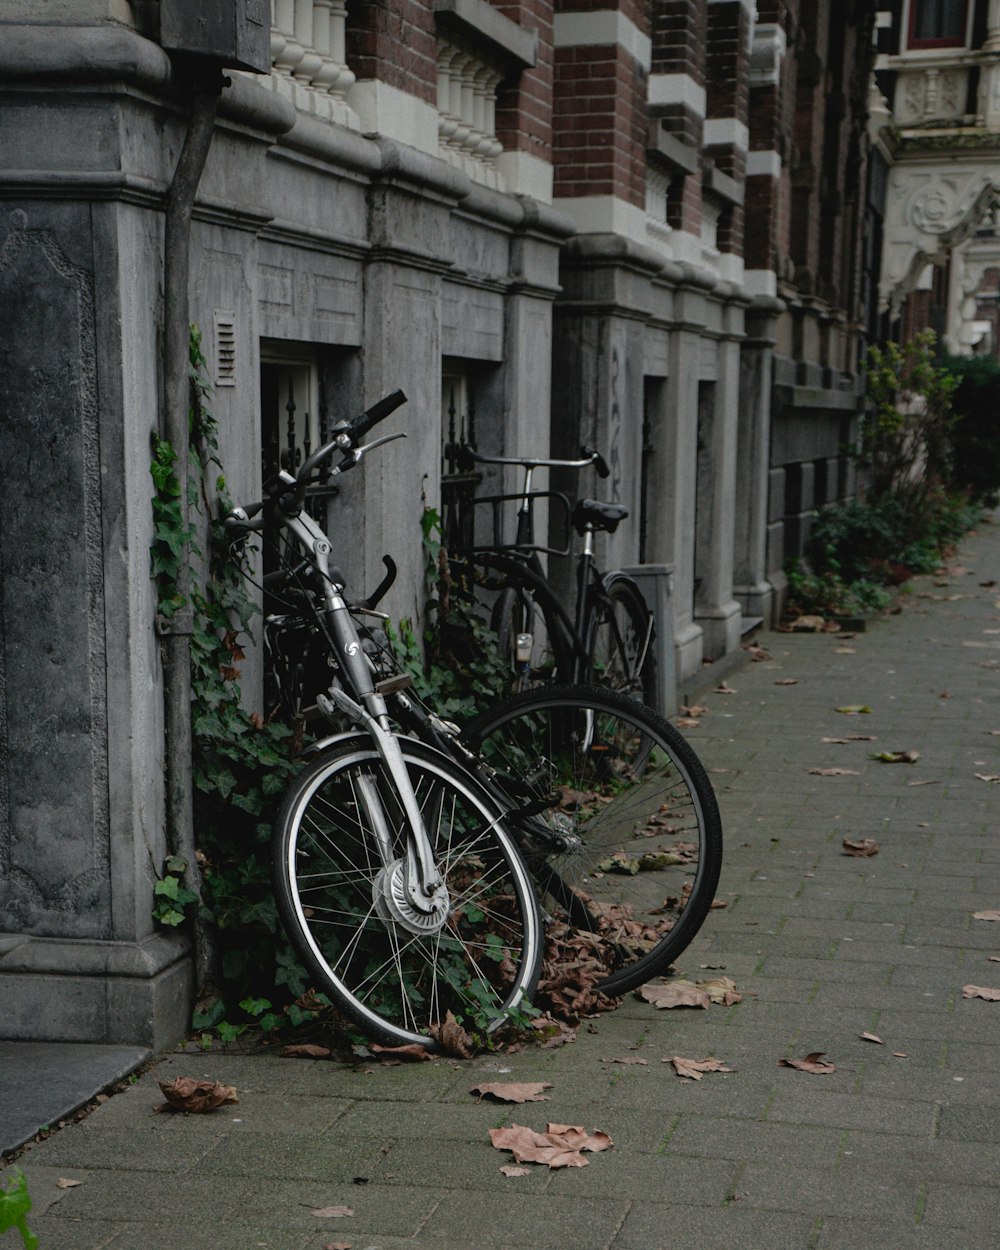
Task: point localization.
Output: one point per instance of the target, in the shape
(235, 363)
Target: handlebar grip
(376, 413)
(600, 464)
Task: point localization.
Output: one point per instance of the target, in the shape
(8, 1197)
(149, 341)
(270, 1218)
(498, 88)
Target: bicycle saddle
(602, 516)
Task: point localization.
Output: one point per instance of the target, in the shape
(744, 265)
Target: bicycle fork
(409, 890)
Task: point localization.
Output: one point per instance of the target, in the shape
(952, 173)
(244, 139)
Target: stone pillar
(682, 403)
(751, 585)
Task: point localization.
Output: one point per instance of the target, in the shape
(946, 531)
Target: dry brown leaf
(412, 1050)
(861, 848)
(560, 1146)
(509, 1169)
(306, 1050)
(337, 1245)
(896, 757)
(851, 738)
(513, 1091)
(981, 991)
(813, 1062)
(986, 915)
(806, 624)
(787, 681)
(65, 1183)
(900, 1054)
(628, 1059)
(454, 1039)
(988, 776)
(678, 995)
(724, 688)
(695, 1069)
(845, 650)
(870, 1037)
(332, 1213)
(833, 772)
(757, 653)
(693, 709)
(184, 1093)
(854, 709)
(687, 722)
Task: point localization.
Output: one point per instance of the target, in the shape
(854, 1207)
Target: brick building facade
(632, 223)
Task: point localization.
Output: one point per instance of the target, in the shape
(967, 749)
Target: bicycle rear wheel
(342, 898)
(617, 820)
(619, 642)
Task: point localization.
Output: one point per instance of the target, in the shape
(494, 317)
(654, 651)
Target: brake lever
(354, 457)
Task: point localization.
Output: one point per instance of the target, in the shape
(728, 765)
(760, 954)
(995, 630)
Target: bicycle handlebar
(289, 492)
(590, 456)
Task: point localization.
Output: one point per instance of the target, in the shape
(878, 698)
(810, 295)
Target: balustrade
(309, 63)
(467, 85)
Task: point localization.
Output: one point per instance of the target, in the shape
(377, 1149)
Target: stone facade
(637, 226)
(936, 119)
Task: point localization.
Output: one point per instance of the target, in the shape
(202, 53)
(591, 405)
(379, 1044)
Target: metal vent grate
(225, 348)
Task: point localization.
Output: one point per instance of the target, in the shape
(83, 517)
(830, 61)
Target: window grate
(225, 348)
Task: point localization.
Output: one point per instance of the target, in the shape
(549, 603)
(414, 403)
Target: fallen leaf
(851, 738)
(628, 1059)
(454, 1039)
(861, 848)
(332, 1213)
(65, 1183)
(986, 915)
(687, 722)
(981, 991)
(854, 709)
(695, 1069)
(184, 1093)
(806, 624)
(870, 1037)
(337, 1245)
(988, 776)
(900, 1054)
(513, 1091)
(694, 709)
(724, 688)
(994, 959)
(928, 781)
(845, 650)
(306, 1050)
(757, 653)
(678, 995)
(834, 772)
(412, 1050)
(896, 757)
(787, 681)
(560, 1146)
(509, 1169)
(813, 1062)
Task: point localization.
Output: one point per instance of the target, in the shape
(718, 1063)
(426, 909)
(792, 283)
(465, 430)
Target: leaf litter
(513, 1091)
(813, 1062)
(560, 1146)
(695, 1069)
(185, 1093)
(981, 991)
(681, 992)
(860, 848)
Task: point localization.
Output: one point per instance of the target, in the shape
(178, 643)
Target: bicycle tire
(395, 972)
(597, 766)
(619, 642)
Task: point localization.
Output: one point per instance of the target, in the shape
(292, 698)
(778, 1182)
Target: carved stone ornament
(930, 208)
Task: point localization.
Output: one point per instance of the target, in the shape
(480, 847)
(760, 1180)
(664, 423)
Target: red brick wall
(394, 41)
(524, 101)
(599, 123)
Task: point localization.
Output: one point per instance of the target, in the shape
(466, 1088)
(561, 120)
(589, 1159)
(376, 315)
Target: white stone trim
(676, 89)
(386, 110)
(603, 26)
(720, 130)
(763, 164)
(604, 214)
(760, 282)
(525, 174)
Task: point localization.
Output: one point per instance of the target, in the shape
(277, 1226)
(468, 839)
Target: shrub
(976, 434)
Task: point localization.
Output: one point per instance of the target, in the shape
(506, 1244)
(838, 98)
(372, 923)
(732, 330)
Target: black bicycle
(604, 801)
(607, 640)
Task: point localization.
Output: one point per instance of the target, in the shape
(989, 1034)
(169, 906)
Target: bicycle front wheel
(617, 820)
(620, 642)
(339, 867)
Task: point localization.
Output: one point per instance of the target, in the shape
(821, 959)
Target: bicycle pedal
(391, 685)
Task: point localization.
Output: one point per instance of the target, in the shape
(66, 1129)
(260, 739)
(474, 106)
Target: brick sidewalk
(898, 1147)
